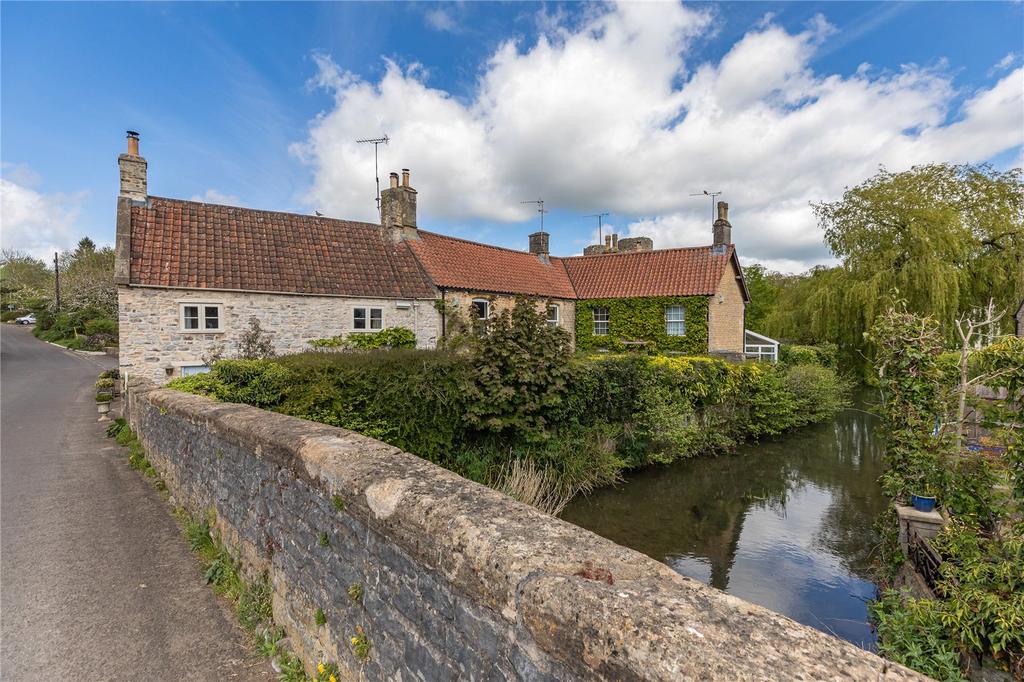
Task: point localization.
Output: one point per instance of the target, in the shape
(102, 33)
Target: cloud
(1004, 63)
(440, 19)
(212, 196)
(614, 113)
(37, 223)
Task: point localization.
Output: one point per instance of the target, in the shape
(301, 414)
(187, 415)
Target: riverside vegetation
(514, 409)
(977, 617)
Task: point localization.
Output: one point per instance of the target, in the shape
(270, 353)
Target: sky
(628, 109)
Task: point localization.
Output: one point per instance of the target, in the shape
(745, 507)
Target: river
(786, 524)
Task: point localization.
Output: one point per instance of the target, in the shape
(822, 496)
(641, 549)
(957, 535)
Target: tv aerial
(376, 142)
(706, 193)
(600, 224)
(540, 209)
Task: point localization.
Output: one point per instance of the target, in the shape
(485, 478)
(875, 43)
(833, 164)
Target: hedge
(615, 411)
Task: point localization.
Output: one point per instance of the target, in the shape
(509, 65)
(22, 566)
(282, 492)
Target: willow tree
(947, 238)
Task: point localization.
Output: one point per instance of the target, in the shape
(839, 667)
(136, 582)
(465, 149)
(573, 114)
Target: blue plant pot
(922, 503)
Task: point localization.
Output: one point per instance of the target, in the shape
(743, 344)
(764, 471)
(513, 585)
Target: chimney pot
(615, 242)
(133, 143)
(132, 169)
(723, 210)
(608, 241)
(394, 179)
(398, 208)
(405, 177)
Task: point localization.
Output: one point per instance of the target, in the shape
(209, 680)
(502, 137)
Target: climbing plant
(643, 319)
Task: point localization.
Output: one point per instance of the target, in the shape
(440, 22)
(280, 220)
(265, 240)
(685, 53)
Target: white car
(26, 319)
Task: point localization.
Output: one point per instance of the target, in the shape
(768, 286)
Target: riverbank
(785, 523)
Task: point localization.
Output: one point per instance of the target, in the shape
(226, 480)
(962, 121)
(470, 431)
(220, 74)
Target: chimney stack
(722, 229)
(133, 170)
(398, 208)
(539, 244)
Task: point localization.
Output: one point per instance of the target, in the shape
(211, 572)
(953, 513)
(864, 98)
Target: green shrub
(393, 337)
(253, 382)
(519, 373)
(13, 315)
(818, 393)
(911, 632)
(824, 354)
(100, 326)
(104, 397)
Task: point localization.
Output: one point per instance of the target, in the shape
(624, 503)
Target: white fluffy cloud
(34, 222)
(212, 196)
(610, 114)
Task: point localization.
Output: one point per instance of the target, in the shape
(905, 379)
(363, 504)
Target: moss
(643, 319)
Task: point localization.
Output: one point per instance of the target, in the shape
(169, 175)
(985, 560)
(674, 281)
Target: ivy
(643, 319)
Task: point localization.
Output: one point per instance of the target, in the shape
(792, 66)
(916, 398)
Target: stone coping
(602, 610)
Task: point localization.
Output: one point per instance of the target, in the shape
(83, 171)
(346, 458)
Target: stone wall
(500, 302)
(151, 338)
(458, 581)
(726, 315)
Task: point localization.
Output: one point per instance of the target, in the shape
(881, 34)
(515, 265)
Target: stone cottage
(190, 276)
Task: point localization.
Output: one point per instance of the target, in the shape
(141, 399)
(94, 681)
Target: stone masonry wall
(725, 319)
(151, 338)
(501, 302)
(459, 582)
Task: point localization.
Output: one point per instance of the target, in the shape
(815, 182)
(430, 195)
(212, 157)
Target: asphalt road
(96, 580)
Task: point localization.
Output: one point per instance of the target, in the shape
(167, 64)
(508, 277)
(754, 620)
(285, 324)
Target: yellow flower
(320, 668)
(332, 678)
(355, 640)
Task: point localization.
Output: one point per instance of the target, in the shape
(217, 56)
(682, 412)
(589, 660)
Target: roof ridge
(249, 209)
(489, 246)
(633, 253)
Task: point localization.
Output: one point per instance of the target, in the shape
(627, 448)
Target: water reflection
(785, 524)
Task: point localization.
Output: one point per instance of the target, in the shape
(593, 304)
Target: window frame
(487, 309)
(203, 369)
(557, 321)
(201, 317)
(606, 320)
(368, 318)
(681, 321)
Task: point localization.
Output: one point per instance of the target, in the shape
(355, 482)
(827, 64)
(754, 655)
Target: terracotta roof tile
(693, 271)
(189, 244)
(460, 264)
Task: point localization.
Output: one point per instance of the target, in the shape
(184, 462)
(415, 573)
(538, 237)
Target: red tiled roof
(187, 244)
(459, 264)
(693, 271)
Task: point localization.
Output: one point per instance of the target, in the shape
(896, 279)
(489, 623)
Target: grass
(221, 570)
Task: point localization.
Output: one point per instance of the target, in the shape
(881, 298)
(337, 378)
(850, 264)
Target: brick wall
(151, 337)
(459, 582)
(725, 318)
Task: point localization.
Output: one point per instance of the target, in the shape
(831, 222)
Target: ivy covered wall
(643, 319)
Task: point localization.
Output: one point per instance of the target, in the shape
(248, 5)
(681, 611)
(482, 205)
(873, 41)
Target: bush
(100, 326)
(911, 632)
(412, 399)
(12, 315)
(818, 393)
(823, 355)
(393, 337)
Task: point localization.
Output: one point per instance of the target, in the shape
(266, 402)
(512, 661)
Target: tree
(763, 287)
(945, 238)
(87, 278)
(23, 278)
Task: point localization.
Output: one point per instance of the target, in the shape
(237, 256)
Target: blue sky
(626, 109)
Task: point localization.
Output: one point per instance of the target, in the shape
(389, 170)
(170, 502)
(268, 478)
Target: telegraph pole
(56, 281)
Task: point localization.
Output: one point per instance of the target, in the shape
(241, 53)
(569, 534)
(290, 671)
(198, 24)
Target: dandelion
(320, 668)
(355, 640)
(332, 678)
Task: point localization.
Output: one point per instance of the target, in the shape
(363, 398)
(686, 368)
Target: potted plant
(103, 402)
